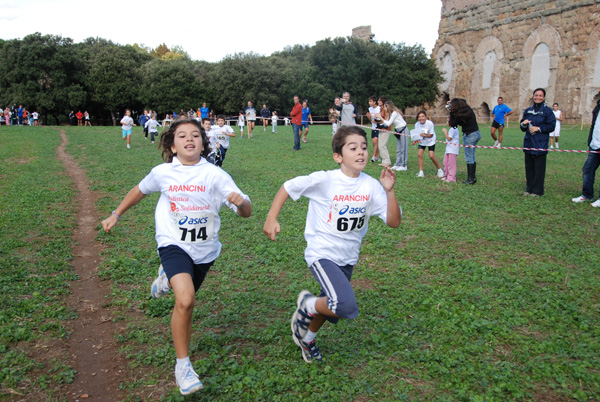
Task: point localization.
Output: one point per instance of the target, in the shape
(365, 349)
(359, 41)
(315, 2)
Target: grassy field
(480, 295)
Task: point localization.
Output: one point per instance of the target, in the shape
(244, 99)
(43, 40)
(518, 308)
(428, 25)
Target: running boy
(151, 126)
(341, 203)
(222, 134)
(187, 228)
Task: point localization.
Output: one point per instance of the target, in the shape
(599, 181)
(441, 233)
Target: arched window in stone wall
(540, 67)
(488, 69)
(596, 79)
(447, 71)
(485, 112)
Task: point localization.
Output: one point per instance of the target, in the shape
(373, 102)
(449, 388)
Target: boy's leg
(420, 153)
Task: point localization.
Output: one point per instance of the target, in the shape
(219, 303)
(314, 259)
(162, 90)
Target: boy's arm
(244, 207)
(271, 227)
(133, 197)
(387, 179)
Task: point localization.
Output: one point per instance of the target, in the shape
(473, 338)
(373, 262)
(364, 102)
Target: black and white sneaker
(301, 319)
(311, 352)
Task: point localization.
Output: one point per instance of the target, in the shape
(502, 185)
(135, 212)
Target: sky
(211, 30)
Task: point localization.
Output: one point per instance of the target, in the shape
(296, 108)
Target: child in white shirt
(187, 227)
(274, 119)
(222, 133)
(427, 133)
(152, 126)
(126, 126)
(452, 150)
(341, 203)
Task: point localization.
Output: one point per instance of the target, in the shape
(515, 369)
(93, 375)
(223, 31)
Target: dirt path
(93, 350)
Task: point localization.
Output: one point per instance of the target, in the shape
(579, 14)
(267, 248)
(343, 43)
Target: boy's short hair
(206, 119)
(373, 98)
(339, 139)
(220, 117)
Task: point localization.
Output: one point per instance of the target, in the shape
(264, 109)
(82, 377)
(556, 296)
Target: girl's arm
(445, 131)
(133, 197)
(387, 180)
(244, 208)
(272, 227)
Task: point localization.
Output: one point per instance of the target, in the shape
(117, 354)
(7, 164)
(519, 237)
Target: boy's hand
(109, 223)
(271, 228)
(387, 179)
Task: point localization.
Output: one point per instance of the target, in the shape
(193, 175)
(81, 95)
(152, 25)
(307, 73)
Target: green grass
(480, 295)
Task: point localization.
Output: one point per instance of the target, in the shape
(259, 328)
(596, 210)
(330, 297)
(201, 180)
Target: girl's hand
(236, 199)
(387, 179)
(109, 223)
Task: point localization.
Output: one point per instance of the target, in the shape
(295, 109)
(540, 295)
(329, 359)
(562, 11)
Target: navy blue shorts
(374, 133)
(335, 284)
(176, 261)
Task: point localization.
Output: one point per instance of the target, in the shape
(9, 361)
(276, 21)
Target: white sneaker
(596, 204)
(421, 174)
(399, 168)
(579, 199)
(557, 145)
(499, 145)
(157, 290)
(495, 143)
(551, 146)
(440, 173)
(128, 146)
(187, 380)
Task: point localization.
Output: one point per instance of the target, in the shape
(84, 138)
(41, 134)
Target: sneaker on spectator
(596, 204)
(440, 173)
(551, 146)
(187, 380)
(495, 143)
(557, 146)
(579, 199)
(301, 319)
(421, 174)
(157, 289)
(310, 352)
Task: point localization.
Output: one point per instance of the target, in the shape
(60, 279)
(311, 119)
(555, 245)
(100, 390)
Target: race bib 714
(193, 227)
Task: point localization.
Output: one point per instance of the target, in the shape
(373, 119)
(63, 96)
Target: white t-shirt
(241, 121)
(152, 126)
(274, 118)
(557, 114)
(218, 133)
(126, 123)
(374, 111)
(453, 147)
(187, 212)
(428, 128)
(338, 213)
(212, 140)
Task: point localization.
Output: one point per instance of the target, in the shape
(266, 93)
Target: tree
(170, 85)
(42, 72)
(113, 76)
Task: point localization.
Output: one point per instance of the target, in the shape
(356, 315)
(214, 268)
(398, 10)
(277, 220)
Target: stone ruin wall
(487, 49)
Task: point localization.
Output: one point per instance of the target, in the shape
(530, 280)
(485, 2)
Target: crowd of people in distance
(19, 116)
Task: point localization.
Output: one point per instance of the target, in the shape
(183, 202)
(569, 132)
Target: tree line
(54, 75)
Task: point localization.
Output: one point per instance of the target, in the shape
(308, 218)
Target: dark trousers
(535, 173)
(296, 129)
(589, 172)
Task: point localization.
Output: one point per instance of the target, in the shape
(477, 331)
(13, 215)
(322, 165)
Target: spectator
(296, 115)
(592, 162)
(538, 122)
(462, 115)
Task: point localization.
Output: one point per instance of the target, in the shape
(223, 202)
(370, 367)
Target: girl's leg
(434, 159)
(451, 175)
(375, 141)
(420, 155)
(181, 320)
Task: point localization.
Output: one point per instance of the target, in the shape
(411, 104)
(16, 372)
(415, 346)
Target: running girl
(187, 227)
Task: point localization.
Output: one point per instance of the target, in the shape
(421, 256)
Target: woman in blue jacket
(538, 122)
